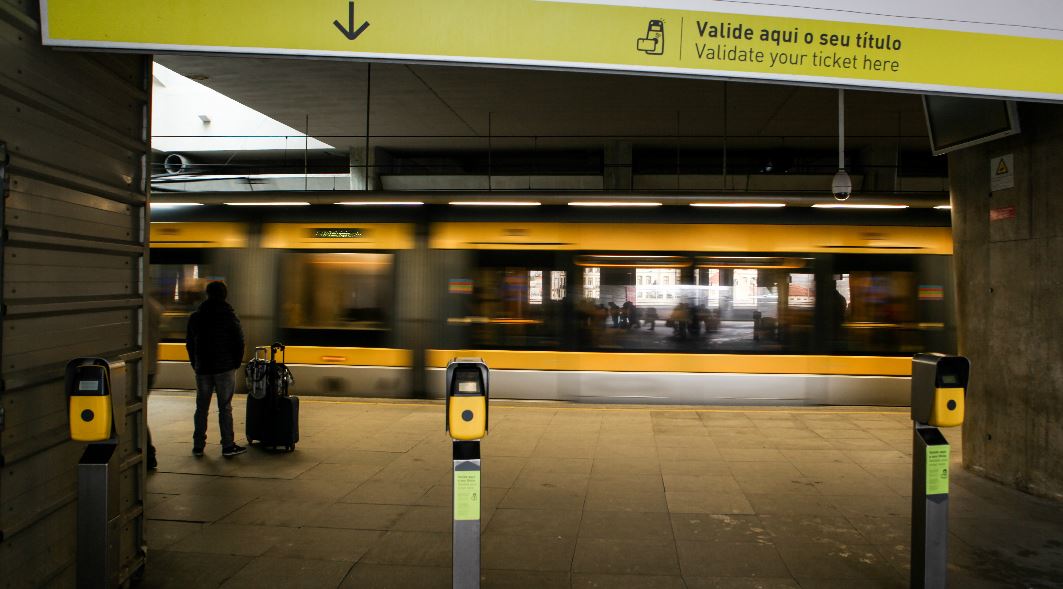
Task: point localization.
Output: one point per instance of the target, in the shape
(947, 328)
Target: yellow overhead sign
(574, 35)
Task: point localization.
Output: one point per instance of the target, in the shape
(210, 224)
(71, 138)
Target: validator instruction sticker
(466, 495)
(937, 470)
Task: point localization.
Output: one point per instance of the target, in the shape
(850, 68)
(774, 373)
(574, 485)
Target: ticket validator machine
(467, 406)
(939, 386)
(93, 420)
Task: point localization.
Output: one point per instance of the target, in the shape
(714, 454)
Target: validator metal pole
(466, 501)
(930, 508)
(98, 518)
(939, 389)
(91, 419)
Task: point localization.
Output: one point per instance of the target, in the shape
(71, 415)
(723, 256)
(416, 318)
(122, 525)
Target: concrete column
(1009, 249)
(359, 179)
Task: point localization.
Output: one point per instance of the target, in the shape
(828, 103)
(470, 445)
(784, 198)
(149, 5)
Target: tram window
(536, 284)
(753, 304)
(592, 283)
(178, 283)
(802, 293)
(535, 287)
(558, 285)
(745, 288)
(701, 304)
(515, 300)
(343, 297)
(876, 312)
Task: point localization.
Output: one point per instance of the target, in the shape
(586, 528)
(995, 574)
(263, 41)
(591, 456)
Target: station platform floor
(577, 496)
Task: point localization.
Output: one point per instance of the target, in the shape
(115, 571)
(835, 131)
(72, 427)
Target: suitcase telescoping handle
(277, 346)
(263, 350)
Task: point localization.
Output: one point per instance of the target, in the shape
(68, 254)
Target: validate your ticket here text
(794, 47)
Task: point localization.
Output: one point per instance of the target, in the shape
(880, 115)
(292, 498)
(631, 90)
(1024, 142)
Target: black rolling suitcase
(272, 413)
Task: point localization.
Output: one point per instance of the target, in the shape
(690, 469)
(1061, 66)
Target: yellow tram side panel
(324, 236)
(673, 362)
(692, 237)
(316, 355)
(593, 361)
(165, 234)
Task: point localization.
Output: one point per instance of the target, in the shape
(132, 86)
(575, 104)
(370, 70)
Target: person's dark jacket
(215, 340)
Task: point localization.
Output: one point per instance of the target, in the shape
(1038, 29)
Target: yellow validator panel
(468, 418)
(90, 419)
(88, 388)
(467, 395)
(948, 407)
(939, 384)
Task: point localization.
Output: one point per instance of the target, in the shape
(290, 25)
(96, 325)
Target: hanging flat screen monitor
(955, 123)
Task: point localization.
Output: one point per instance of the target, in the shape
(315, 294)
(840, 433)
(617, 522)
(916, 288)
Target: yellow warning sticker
(937, 470)
(466, 495)
(1002, 167)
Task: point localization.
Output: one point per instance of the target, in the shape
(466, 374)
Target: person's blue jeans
(224, 384)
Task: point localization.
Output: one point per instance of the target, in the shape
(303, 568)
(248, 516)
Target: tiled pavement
(577, 496)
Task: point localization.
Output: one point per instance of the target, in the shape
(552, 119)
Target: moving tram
(794, 306)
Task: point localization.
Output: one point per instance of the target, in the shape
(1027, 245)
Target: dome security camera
(842, 186)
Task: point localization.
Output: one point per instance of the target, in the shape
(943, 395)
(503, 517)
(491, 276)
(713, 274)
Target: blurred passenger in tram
(628, 315)
(601, 317)
(680, 321)
(840, 308)
(614, 313)
(592, 320)
(584, 318)
(650, 318)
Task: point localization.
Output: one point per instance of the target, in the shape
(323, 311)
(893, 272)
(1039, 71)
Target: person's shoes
(197, 452)
(152, 462)
(233, 450)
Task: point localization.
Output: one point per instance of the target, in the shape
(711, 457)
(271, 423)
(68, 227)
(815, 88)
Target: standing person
(215, 344)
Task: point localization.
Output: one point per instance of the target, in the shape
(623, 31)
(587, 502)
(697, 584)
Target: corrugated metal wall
(74, 129)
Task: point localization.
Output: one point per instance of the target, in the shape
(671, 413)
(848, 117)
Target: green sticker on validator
(466, 495)
(937, 470)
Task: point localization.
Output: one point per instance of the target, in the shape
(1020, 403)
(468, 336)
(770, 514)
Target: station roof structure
(453, 107)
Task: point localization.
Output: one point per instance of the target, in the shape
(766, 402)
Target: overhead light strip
(602, 203)
(857, 206)
(944, 207)
(741, 205)
(495, 203)
(382, 203)
(268, 204)
(174, 205)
